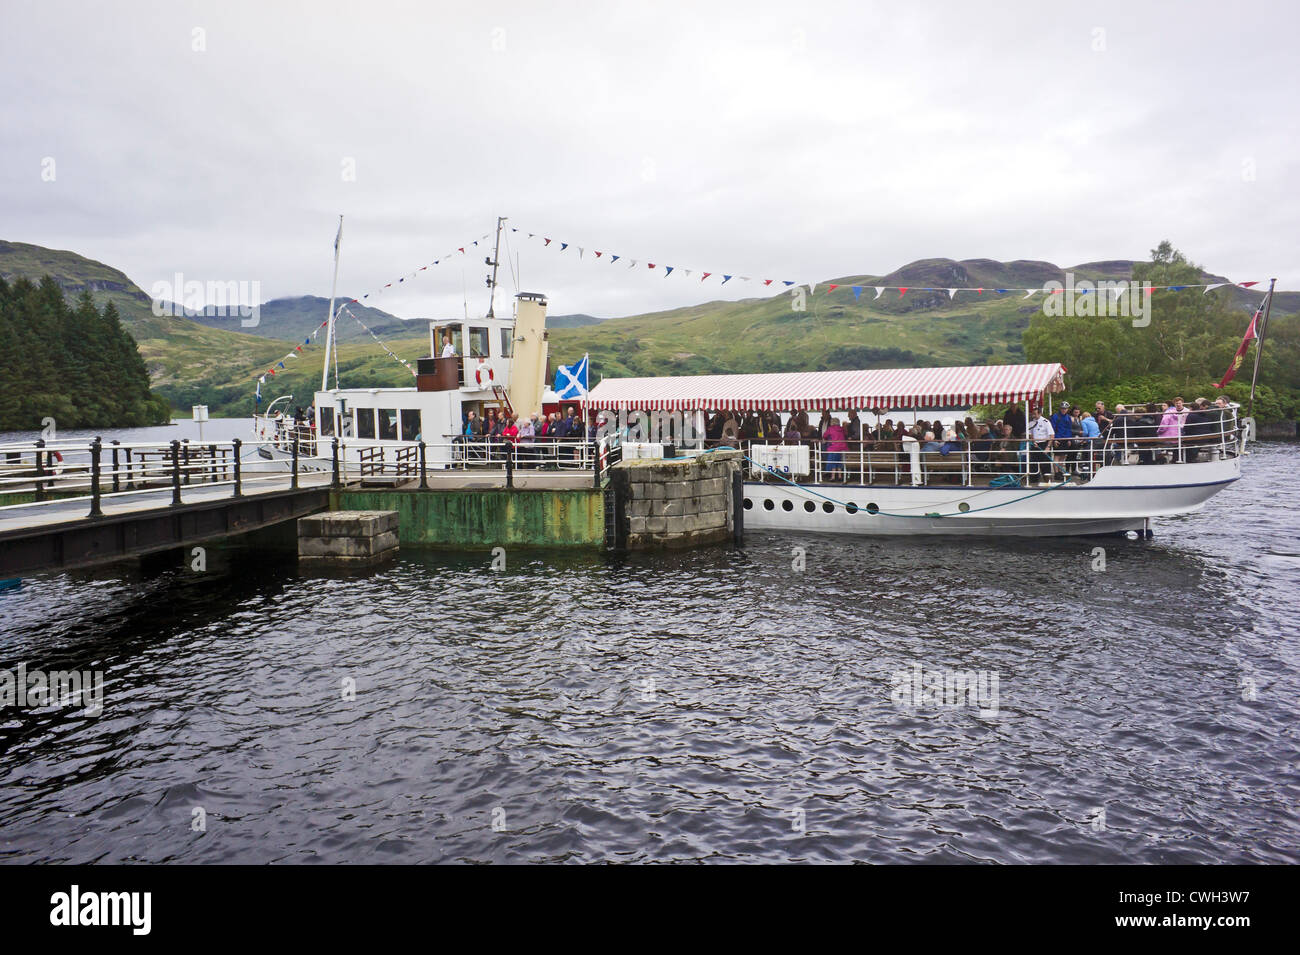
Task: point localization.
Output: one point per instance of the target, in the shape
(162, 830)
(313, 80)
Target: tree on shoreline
(75, 364)
(1184, 350)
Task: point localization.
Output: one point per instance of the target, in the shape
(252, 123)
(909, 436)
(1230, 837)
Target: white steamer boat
(1114, 484)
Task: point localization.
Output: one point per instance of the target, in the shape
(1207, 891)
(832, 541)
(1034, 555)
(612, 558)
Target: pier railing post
(236, 445)
(117, 479)
(595, 468)
(40, 469)
(176, 472)
(96, 447)
(336, 482)
(130, 472)
(424, 473)
(294, 483)
(185, 444)
(510, 466)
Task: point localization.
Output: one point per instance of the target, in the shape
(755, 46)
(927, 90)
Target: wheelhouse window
(478, 343)
(366, 423)
(507, 342)
(388, 424)
(410, 424)
(326, 422)
(345, 424)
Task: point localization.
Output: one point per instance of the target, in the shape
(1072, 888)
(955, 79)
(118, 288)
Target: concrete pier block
(347, 538)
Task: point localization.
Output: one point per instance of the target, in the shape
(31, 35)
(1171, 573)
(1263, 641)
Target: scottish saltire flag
(571, 380)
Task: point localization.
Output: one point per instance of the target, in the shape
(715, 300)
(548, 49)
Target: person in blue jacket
(1064, 430)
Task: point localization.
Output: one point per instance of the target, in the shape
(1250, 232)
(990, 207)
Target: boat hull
(1116, 500)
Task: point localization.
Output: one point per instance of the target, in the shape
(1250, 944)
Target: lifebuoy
(478, 374)
(56, 456)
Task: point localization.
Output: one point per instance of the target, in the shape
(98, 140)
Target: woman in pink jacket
(835, 443)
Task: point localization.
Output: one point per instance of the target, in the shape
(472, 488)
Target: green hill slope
(192, 363)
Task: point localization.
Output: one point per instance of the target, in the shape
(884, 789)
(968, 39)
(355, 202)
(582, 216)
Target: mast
(330, 343)
(1259, 344)
(494, 262)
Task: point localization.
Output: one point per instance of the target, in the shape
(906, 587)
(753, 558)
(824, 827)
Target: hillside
(291, 319)
(175, 350)
(920, 328)
(191, 362)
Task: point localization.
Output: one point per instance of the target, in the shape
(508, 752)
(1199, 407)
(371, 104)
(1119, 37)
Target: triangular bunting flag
(952, 293)
(1029, 292)
(563, 246)
(880, 290)
(1247, 284)
(613, 259)
(546, 242)
(767, 281)
(1216, 285)
(902, 291)
(857, 292)
(787, 282)
(668, 270)
(830, 288)
(706, 275)
(726, 279)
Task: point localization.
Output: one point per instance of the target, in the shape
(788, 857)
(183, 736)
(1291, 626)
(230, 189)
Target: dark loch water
(710, 706)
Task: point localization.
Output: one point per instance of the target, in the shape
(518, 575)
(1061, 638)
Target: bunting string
(391, 354)
(261, 380)
(462, 250)
(658, 264)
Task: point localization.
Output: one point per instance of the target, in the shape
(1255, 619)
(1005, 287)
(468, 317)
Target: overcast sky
(786, 140)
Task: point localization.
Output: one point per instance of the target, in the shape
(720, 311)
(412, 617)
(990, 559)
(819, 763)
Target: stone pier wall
(675, 502)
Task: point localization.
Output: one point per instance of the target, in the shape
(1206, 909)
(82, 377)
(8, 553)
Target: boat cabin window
(507, 342)
(366, 423)
(345, 424)
(410, 424)
(326, 422)
(388, 424)
(456, 339)
(478, 342)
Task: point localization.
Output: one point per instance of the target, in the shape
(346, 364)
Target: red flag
(832, 288)
(902, 291)
(1240, 357)
(1247, 284)
(767, 281)
(705, 276)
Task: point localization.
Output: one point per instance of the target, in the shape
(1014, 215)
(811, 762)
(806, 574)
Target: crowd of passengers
(535, 439)
(1071, 439)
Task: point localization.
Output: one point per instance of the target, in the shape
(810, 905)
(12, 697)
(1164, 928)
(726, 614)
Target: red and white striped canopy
(883, 388)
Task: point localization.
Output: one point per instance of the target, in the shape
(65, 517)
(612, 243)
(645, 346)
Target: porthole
(748, 504)
(851, 508)
(809, 506)
(787, 505)
(873, 508)
(768, 504)
(963, 507)
(828, 507)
